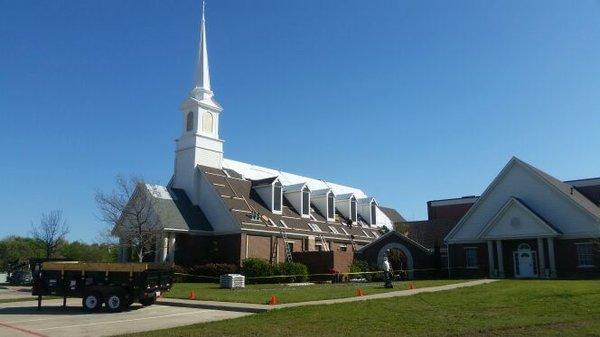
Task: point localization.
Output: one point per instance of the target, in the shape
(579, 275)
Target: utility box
(3, 278)
(232, 281)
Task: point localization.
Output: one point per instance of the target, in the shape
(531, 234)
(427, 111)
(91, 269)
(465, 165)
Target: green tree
(15, 250)
(81, 251)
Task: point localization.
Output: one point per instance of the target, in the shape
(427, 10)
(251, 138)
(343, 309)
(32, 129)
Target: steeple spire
(202, 90)
(202, 71)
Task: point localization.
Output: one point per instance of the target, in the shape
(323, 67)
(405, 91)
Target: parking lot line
(29, 332)
(122, 321)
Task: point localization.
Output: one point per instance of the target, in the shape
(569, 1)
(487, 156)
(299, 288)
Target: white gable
(515, 220)
(520, 181)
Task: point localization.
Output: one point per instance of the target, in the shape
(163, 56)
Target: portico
(527, 238)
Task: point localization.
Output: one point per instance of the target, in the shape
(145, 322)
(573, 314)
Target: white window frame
(467, 265)
(588, 255)
(315, 227)
(334, 230)
(280, 210)
(343, 248)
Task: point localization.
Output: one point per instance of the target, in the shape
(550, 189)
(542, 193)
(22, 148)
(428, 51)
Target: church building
(220, 210)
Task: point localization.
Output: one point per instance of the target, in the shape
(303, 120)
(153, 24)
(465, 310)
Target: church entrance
(525, 262)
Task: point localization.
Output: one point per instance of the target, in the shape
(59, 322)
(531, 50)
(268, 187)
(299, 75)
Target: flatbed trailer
(116, 285)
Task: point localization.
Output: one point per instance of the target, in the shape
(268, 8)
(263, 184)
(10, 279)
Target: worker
(387, 272)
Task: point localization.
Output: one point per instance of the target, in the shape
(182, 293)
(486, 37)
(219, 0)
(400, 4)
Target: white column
(500, 259)
(551, 260)
(490, 249)
(541, 258)
(165, 248)
(172, 248)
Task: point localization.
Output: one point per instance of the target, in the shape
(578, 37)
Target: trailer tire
(147, 301)
(92, 301)
(115, 302)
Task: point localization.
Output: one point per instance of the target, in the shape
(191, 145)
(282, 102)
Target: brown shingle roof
(241, 200)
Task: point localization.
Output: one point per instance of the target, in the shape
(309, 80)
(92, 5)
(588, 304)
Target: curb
(215, 306)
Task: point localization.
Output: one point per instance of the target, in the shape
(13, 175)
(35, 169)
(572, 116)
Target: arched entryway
(400, 257)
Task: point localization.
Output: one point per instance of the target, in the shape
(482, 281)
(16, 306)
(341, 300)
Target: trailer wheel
(92, 302)
(147, 301)
(115, 302)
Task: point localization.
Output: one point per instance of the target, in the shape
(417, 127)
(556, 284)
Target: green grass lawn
(504, 308)
(261, 293)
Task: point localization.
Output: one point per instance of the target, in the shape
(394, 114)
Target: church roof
(175, 210)
(242, 200)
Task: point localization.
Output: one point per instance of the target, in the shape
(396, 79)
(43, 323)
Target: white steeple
(202, 75)
(199, 143)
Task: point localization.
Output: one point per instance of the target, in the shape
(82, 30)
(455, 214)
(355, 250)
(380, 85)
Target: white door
(524, 263)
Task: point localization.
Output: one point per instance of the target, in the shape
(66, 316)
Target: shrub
(255, 267)
(207, 272)
(359, 266)
(213, 269)
(290, 268)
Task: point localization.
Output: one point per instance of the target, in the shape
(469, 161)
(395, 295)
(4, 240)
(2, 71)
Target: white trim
(483, 234)
(455, 201)
(512, 162)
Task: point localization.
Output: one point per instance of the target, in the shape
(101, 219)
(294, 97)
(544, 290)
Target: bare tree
(129, 212)
(51, 231)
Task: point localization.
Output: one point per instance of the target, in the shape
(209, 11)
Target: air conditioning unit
(232, 281)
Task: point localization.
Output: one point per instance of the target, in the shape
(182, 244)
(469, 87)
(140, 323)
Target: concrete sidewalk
(254, 308)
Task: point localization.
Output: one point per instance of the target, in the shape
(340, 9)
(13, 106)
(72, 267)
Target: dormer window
(305, 201)
(270, 191)
(189, 121)
(330, 206)
(353, 209)
(277, 196)
(373, 213)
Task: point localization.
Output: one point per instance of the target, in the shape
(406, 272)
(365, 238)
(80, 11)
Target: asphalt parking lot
(23, 319)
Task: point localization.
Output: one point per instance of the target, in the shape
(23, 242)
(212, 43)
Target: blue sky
(408, 100)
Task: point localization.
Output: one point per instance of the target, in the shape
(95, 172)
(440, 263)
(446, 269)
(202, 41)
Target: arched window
(524, 246)
(353, 209)
(277, 196)
(305, 201)
(330, 205)
(207, 122)
(189, 121)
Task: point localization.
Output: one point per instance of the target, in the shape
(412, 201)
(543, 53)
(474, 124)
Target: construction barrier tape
(309, 275)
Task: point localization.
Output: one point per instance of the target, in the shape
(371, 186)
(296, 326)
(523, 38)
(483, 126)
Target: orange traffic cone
(273, 300)
(360, 292)
(192, 295)
(411, 285)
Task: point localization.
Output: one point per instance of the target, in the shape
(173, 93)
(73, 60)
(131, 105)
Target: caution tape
(310, 275)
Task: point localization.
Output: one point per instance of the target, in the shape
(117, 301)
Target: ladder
(288, 253)
(353, 243)
(274, 249)
(324, 243)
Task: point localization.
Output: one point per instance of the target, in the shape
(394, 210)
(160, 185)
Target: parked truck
(116, 285)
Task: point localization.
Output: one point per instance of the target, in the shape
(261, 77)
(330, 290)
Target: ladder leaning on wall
(324, 244)
(288, 253)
